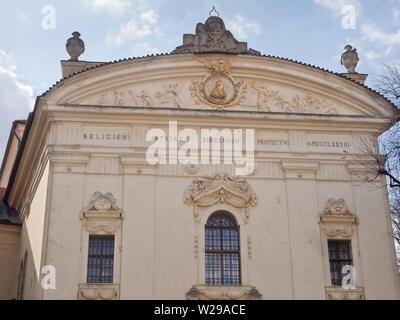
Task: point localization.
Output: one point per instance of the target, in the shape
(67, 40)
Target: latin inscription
(329, 144)
(268, 142)
(110, 137)
(107, 136)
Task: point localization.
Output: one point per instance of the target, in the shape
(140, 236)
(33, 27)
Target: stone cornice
(32, 162)
(79, 113)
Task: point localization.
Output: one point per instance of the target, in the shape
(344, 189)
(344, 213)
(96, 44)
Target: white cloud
(375, 34)
(149, 17)
(13, 93)
(113, 7)
(372, 55)
(337, 5)
(16, 98)
(138, 28)
(240, 27)
(143, 49)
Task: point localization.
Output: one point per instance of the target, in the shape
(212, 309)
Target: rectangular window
(101, 259)
(339, 256)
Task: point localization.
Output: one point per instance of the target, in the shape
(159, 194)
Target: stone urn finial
(350, 59)
(75, 46)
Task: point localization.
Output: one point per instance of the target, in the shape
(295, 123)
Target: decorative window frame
(220, 189)
(209, 195)
(102, 217)
(338, 223)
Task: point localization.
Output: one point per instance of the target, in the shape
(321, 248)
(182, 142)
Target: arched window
(222, 249)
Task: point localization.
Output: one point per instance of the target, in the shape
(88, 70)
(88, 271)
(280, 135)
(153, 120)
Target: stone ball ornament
(350, 59)
(75, 46)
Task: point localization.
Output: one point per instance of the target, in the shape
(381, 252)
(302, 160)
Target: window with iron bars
(339, 256)
(100, 259)
(222, 250)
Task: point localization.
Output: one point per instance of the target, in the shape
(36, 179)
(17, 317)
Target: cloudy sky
(33, 35)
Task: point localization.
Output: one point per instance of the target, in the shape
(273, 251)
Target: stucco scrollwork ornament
(102, 202)
(272, 100)
(169, 95)
(337, 207)
(339, 293)
(350, 59)
(209, 191)
(223, 293)
(337, 221)
(192, 169)
(266, 96)
(98, 292)
(106, 227)
(102, 215)
(310, 104)
(218, 89)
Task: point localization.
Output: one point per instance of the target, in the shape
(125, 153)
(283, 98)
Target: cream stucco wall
(158, 259)
(33, 239)
(159, 241)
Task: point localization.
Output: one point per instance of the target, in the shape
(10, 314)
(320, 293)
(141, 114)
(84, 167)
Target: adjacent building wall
(9, 248)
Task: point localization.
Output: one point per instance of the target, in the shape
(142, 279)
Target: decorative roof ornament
(350, 59)
(213, 10)
(75, 46)
(212, 36)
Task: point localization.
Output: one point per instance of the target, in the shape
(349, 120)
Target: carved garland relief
(98, 292)
(219, 90)
(337, 220)
(209, 191)
(223, 293)
(102, 215)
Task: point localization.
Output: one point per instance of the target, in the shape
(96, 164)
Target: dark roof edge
(10, 137)
(8, 216)
(20, 152)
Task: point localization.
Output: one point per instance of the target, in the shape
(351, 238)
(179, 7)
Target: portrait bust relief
(218, 92)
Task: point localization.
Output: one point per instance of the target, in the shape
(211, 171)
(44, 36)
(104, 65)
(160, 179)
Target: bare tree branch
(383, 158)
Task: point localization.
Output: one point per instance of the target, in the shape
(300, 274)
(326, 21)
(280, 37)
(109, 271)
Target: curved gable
(249, 83)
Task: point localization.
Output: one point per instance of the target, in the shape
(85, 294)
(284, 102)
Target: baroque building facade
(115, 226)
